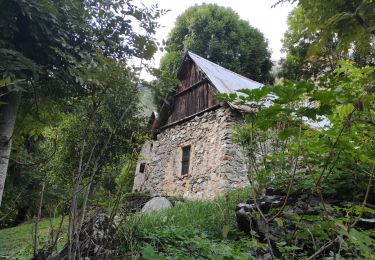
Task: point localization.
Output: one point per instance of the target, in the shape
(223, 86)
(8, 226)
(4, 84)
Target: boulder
(156, 204)
(247, 221)
(248, 218)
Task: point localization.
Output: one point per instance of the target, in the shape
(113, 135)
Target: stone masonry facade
(216, 164)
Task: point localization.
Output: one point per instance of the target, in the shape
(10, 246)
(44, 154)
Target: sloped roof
(224, 80)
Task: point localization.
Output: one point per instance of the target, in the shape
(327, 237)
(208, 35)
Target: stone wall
(216, 164)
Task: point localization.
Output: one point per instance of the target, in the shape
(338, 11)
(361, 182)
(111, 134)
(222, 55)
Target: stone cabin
(191, 153)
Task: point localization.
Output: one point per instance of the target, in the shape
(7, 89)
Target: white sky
(270, 21)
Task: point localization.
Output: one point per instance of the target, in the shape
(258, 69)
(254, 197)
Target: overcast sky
(270, 21)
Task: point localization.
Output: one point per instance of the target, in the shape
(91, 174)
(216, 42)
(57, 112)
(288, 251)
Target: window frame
(185, 160)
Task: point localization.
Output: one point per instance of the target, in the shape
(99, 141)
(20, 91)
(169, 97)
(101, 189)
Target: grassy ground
(16, 242)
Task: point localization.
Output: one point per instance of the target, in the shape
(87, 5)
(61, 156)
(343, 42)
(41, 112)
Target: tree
(300, 62)
(218, 34)
(350, 22)
(45, 45)
(306, 57)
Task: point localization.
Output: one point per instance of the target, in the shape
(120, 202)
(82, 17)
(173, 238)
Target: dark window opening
(185, 160)
(142, 167)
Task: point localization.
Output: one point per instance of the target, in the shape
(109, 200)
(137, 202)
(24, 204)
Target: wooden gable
(200, 81)
(194, 94)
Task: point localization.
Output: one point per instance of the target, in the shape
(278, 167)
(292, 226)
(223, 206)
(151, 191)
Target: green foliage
(137, 194)
(314, 138)
(187, 243)
(38, 33)
(69, 59)
(352, 21)
(210, 216)
(147, 100)
(113, 105)
(300, 62)
(316, 124)
(166, 77)
(124, 180)
(361, 243)
(218, 34)
(322, 32)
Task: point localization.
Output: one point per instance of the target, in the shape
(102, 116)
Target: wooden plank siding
(194, 94)
(193, 98)
(191, 75)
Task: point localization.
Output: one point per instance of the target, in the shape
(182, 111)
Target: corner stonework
(216, 164)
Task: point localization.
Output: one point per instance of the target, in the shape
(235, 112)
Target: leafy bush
(314, 135)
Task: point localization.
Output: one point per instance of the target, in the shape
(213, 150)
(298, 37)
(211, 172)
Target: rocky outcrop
(301, 211)
(96, 240)
(249, 219)
(216, 163)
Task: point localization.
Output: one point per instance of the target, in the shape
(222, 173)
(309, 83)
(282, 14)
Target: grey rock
(156, 204)
(246, 207)
(244, 220)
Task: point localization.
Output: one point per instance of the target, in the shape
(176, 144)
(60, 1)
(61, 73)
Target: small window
(185, 160)
(142, 167)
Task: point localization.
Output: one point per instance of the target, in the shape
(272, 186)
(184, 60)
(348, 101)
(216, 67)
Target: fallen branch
(323, 248)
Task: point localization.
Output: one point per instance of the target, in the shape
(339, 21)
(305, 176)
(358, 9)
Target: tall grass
(191, 219)
(209, 216)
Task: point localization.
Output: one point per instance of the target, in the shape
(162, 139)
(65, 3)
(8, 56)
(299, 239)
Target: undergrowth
(194, 229)
(208, 230)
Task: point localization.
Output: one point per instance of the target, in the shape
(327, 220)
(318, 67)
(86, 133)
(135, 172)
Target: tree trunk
(8, 113)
